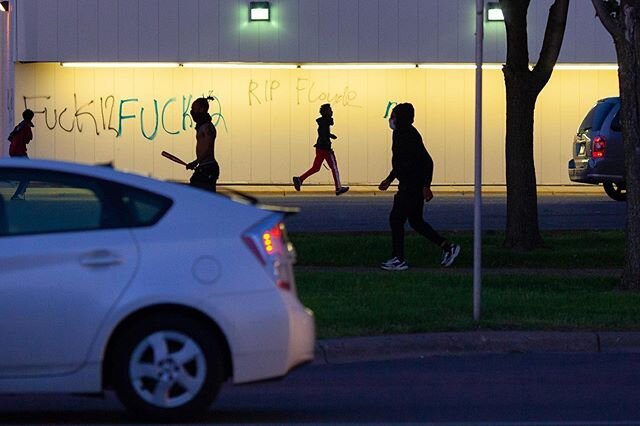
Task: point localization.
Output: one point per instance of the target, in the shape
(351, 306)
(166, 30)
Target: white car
(155, 289)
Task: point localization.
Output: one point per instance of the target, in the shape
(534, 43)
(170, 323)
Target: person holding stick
(205, 167)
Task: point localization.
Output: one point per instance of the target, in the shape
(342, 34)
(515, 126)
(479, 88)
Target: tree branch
(515, 21)
(607, 20)
(553, 35)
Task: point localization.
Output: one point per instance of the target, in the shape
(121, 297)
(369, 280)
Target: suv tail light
(598, 147)
(268, 242)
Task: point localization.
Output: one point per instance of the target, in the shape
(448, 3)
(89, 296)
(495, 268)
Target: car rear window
(594, 119)
(145, 208)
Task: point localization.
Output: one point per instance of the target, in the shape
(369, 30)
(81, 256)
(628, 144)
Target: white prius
(160, 291)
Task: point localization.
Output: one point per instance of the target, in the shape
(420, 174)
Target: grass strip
(564, 249)
(377, 303)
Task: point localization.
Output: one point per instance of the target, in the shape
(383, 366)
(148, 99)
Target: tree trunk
(522, 88)
(629, 76)
(522, 229)
(622, 21)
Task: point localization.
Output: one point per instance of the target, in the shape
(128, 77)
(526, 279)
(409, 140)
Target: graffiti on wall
(107, 114)
(306, 91)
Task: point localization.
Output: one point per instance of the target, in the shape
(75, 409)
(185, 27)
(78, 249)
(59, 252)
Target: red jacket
(20, 137)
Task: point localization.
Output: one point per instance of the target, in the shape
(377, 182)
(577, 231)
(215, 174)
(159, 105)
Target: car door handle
(100, 258)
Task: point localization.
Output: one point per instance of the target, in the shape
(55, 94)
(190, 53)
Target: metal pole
(6, 76)
(477, 198)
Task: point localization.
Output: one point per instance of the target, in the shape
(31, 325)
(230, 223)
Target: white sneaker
(394, 264)
(448, 256)
(18, 197)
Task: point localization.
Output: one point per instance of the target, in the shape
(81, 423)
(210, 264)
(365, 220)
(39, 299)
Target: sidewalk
(372, 190)
(337, 351)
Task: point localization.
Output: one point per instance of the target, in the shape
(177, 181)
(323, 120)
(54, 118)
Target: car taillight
(268, 242)
(598, 147)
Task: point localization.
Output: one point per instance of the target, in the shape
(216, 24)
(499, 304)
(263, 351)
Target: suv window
(594, 119)
(39, 201)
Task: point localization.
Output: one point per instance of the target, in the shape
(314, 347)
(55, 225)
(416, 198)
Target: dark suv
(598, 154)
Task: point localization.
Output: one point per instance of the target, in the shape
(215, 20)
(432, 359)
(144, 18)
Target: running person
(20, 138)
(205, 167)
(323, 151)
(413, 167)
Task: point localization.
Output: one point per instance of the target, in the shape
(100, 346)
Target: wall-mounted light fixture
(4, 6)
(259, 11)
(494, 13)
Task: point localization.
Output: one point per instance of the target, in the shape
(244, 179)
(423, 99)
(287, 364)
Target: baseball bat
(172, 157)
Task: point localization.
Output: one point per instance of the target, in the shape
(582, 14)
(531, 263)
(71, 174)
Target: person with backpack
(413, 167)
(20, 138)
(323, 151)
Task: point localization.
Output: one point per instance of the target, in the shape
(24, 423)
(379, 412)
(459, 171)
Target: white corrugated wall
(266, 126)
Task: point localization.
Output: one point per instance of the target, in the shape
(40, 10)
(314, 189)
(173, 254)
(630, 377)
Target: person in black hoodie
(413, 167)
(323, 151)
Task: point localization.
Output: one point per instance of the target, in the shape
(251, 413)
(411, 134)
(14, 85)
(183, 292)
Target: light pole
(477, 198)
(6, 73)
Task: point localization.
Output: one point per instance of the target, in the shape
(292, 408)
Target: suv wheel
(167, 368)
(617, 191)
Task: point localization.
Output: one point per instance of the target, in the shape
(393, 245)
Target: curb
(372, 190)
(377, 348)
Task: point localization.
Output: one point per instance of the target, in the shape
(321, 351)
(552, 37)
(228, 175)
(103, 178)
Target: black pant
(408, 204)
(24, 184)
(206, 177)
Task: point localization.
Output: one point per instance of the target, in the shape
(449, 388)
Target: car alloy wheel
(168, 367)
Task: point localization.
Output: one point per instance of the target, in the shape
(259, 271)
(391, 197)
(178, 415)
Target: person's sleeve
(28, 135)
(392, 176)
(428, 173)
(426, 162)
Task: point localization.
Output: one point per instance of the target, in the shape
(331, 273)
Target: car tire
(167, 368)
(617, 191)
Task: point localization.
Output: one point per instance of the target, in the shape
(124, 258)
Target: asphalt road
(447, 212)
(495, 389)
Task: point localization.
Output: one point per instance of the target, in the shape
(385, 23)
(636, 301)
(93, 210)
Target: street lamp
(4, 6)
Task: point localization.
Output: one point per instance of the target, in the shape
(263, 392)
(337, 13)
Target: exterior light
(494, 13)
(586, 67)
(120, 64)
(358, 66)
(259, 11)
(4, 6)
(458, 66)
(239, 65)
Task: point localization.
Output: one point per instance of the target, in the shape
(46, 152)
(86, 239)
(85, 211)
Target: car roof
(96, 171)
(168, 189)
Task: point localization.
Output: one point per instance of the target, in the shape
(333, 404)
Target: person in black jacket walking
(413, 167)
(323, 151)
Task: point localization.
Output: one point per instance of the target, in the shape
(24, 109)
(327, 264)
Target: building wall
(300, 31)
(266, 119)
